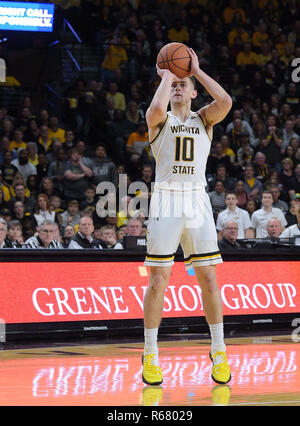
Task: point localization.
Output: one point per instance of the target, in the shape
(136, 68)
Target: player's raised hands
(195, 68)
(161, 72)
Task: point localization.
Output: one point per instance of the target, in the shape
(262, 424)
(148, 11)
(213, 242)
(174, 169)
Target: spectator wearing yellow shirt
(265, 54)
(260, 35)
(54, 131)
(118, 97)
(226, 148)
(115, 57)
(178, 33)
(288, 54)
(240, 32)
(263, 3)
(18, 141)
(283, 42)
(230, 11)
(247, 56)
(10, 81)
(136, 142)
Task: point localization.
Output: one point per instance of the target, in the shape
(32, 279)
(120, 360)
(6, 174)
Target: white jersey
(180, 150)
(261, 217)
(239, 216)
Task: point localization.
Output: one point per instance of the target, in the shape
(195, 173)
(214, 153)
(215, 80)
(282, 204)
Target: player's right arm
(157, 111)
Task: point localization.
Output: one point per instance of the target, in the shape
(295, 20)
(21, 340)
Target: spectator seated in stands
(44, 210)
(84, 237)
(67, 235)
(290, 215)
(18, 141)
(20, 192)
(15, 233)
(274, 229)
(261, 217)
(56, 170)
(55, 132)
(118, 97)
(4, 243)
(71, 216)
(134, 227)
(44, 141)
(115, 57)
(108, 238)
(124, 214)
(252, 185)
(90, 199)
(217, 197)
(293, 230)
(7, 169)
(23, 165)
(272, 142)
(279, 204)
(45, 238)
(229, 236)
(136, 142)
(76, 177)
(102, 167)
(262, 169)
(27, 220)
(233, 213)
(217, 158)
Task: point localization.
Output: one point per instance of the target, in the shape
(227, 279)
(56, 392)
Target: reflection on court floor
(109, 375)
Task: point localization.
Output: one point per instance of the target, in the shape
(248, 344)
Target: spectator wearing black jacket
(229, 239)
(84, 239)
(3, 233)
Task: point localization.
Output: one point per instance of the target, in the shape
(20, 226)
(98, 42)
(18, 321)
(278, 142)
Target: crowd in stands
(51, 164)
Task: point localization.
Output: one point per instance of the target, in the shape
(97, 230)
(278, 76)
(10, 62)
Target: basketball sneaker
(220, 371)
(152, 375)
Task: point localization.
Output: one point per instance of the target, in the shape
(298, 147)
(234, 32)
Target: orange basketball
(176, 58)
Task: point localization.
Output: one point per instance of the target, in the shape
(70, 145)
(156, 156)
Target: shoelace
(218, 362)
(149, 359)
(218, 359)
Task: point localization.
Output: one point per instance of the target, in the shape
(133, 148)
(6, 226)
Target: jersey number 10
(184, 149)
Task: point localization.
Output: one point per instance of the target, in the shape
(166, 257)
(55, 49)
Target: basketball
(176, 58)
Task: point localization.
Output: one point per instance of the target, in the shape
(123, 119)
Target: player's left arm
(217, 110)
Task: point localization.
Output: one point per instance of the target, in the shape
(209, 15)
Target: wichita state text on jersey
(181, 150)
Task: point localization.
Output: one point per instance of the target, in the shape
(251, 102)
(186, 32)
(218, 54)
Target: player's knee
(159, 278)
(206, 277)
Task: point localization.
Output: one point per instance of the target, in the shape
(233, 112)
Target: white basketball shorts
(185, 218)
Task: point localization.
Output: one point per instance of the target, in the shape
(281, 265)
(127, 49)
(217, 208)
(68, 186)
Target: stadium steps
(79, 59)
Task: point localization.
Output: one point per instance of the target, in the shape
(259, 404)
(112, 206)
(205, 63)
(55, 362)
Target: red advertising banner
(83, 291)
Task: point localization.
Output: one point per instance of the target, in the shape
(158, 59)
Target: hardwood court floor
(265, 371)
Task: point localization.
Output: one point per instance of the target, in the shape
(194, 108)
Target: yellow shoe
(220, 371)
(152, 375)
(152, 395)
(220, 395)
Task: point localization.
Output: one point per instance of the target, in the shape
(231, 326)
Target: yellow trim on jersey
(204, 127)
(161, 129)
(203, 257)
(159, 258)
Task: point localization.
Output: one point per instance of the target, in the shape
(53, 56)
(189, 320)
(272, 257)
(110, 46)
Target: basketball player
(180, 140)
